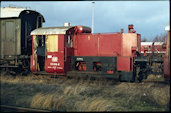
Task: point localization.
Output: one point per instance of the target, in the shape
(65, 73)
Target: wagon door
(11, 37)
(54, 60)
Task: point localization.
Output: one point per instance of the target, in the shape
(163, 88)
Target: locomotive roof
(50, 30)
(11, 12)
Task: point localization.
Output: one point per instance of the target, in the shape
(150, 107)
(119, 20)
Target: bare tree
(156, 38)
(144, 40)
(160, 38)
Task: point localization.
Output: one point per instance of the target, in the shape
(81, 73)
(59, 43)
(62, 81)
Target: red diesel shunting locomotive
(75, 50)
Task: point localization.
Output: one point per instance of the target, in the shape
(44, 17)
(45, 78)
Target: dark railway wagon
(15, 40)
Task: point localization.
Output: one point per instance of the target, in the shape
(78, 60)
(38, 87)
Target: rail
(6, 108)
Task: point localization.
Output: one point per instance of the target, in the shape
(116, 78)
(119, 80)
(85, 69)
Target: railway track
(99, 78)
(6, 108)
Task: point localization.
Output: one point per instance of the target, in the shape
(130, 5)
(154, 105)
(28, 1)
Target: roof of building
(11, 12)
(167, 28)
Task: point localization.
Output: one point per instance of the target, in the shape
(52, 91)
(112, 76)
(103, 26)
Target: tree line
(157, 38)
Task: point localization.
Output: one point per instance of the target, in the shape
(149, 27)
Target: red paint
(131, 29)
(167, 58)
(110, 72)
(81, 66)
(78, 30)
(130, 41)
(57, 65)
(33, 60)
(123, 63)
(166, 68)
(85, 45)
(97, 45)
(110, 44)
(32, 64)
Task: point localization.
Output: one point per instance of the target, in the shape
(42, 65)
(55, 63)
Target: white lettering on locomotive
(54, 59)
(80, 59)
(49, 56)
(55, 64)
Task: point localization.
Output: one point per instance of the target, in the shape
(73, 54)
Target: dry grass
(47, 101)
(62, 94)
(95, 104)
(152, 77)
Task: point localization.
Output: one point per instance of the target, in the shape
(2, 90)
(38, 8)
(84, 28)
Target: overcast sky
(148, 17)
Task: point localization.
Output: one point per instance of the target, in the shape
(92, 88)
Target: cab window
(52, 43)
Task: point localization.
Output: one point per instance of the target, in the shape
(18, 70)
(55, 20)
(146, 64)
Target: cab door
(54, 54)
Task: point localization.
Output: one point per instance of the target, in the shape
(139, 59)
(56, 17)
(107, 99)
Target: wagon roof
(146, 43)
(11, 12)
(50, 30)
(159, 43)
(150, 43)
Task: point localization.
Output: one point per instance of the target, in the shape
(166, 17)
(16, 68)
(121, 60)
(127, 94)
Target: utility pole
(92, 17)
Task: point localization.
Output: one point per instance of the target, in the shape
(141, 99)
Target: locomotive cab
(52, 48)
(48, 50)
